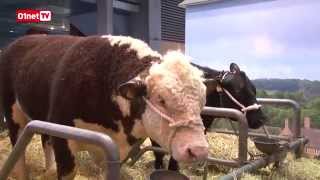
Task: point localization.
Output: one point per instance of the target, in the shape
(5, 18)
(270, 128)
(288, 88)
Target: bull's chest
(119, 137)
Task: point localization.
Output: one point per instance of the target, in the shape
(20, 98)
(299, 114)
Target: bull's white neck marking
(137, 45)
(18, 116)
(124, 105)
(138, 130)
(120, 138)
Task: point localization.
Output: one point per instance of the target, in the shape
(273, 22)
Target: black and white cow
(219, 84)
(111, 84)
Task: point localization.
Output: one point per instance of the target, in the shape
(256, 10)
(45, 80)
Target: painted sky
(277, 39)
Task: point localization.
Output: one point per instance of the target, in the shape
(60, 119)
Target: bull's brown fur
(61, 78)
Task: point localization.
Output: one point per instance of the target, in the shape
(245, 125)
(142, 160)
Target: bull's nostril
(191, 154)
(197, 153)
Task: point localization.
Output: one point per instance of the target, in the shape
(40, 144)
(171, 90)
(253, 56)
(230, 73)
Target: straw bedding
(221, 146)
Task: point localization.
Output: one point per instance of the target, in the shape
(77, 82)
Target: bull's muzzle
(195, 153)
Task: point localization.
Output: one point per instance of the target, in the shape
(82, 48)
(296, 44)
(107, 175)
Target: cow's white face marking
(119, 137)
(123, 103)
(176, 88)
(139, 46)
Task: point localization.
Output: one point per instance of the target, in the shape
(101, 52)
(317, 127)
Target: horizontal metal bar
(273, 101)
(224, 112)
(252, 134)
(262, 162)
(230, 163)
(144, 150)
(65, 132)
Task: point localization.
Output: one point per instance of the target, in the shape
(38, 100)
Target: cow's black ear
(211, 85)
(133, 89)
(234, 68)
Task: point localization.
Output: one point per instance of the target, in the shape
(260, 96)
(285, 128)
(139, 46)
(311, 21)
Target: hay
(221, 146)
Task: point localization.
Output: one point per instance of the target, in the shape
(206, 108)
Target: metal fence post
(65, 132)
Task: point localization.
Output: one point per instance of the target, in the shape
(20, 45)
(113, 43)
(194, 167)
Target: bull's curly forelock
(176, 62)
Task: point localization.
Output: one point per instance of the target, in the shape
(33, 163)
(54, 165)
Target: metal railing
(225, 112)
(296, 143)
(262, 162)
(287, 102)
(243, 133)
(65, 132)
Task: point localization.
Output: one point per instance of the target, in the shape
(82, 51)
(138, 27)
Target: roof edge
(187, 3)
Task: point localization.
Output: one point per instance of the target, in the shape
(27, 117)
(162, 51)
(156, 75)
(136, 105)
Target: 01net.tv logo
(32, 16)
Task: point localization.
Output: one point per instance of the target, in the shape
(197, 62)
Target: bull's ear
(211, 85)
(133, 89)
(234, 68)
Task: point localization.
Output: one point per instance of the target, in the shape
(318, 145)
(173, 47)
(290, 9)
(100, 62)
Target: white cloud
(265, 47)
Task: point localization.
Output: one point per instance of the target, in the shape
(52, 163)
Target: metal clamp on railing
(65, 132)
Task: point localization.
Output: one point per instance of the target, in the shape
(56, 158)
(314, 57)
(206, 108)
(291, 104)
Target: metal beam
(104, 17)
(251, 134)
(126, 6)
(230, 163)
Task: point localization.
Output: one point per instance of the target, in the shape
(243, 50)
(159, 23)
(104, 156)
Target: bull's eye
(162, 101)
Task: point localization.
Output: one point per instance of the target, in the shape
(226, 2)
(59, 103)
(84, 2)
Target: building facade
(161, 23)
(312, 148)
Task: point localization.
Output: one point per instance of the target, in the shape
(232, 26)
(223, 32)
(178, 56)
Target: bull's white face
(175, 88)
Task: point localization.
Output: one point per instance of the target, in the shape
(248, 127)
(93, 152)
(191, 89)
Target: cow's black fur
(239, 85)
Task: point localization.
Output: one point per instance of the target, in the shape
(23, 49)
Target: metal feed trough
(65, 132)
(280, 149)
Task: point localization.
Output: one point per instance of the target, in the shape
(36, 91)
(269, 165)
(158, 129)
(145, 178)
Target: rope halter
(244, 109)
(193, 124)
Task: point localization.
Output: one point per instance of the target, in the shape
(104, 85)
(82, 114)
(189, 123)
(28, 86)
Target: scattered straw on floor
(221, 146)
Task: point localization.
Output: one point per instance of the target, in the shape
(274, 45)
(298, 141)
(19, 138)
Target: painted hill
(308, 88)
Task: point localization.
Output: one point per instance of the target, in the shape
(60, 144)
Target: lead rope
(244, 109)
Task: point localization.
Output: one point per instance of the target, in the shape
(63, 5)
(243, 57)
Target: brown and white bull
(110, 84)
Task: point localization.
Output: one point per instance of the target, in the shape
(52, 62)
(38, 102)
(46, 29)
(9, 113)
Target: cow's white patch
(119, 138)
(138, 130)
(123, 103)
(137, 45)
(18, 116)
(49, 156)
